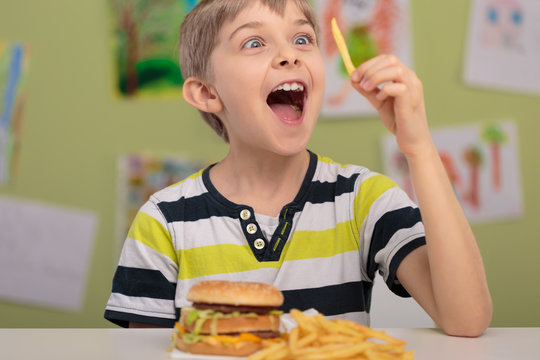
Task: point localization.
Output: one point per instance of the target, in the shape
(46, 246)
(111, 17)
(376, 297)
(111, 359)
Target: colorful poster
(370, 27)
(482, 162)
(145, 38)
(141, 175)
(13, 77)
(503, 45)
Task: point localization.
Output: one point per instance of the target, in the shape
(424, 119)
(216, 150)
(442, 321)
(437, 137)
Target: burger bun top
(235, 293)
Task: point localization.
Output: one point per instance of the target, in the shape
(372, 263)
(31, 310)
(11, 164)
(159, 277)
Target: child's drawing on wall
(503, 24)
(503, 45)
(482, 164)
(370, 27)
(144, 38)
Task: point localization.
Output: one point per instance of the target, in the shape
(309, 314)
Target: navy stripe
(398, 289)
(142, 283)
(123, 319)
(328, 191)
(386, 227)
(330, 300)
(193, 209)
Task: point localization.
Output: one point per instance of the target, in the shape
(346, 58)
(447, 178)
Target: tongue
(286, 112)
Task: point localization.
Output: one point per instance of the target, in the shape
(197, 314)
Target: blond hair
(199, 34)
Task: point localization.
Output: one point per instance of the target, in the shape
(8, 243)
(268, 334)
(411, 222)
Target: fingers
(391, 90)
(381, 69)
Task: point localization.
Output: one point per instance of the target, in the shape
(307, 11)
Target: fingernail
(365, 84)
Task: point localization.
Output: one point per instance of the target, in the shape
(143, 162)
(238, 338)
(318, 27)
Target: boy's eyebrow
(249, 25)
(258, 24)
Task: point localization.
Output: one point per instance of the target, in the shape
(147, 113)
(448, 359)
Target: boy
(273, 212)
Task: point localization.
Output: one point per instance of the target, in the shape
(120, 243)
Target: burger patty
(228, 309)
(264, 334)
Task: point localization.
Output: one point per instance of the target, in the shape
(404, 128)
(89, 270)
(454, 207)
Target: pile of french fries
(318, 338)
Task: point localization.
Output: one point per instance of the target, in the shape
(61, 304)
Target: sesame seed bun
(235, 293)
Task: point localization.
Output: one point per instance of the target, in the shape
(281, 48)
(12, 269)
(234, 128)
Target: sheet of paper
(370, 28)
(44, 253)
(482, 162)
(503, 45)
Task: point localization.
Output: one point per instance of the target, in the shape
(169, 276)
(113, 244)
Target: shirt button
(259, 244)
(245, 214)
(251, 229)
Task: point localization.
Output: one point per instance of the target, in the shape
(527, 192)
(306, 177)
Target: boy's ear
(201, 95)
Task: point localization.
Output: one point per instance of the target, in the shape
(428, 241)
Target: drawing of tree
(495, 137)
(473, 158)
(381, 26)
(146, 35)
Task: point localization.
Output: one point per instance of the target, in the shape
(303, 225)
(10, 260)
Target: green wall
(74, 130)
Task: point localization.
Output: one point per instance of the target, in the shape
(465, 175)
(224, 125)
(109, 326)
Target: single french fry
(342, 46)
(279, 354)
(293, 339)
(340, 352)
(372, 333)
(263, 354)
(306, 340)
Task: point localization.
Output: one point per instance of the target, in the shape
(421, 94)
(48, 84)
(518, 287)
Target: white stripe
(319, 272)
(151, 209)
(328, 172)
(142, 306)
(208, 232)
(358, 317)
(188, 188)
(320, 217)
(137, 255)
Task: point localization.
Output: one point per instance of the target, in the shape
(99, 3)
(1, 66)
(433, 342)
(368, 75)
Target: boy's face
(269, 75)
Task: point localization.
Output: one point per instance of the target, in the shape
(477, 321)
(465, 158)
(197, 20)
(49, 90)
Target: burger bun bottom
(243, 348)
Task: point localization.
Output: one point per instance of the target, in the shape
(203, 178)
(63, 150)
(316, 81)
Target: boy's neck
(266, 182)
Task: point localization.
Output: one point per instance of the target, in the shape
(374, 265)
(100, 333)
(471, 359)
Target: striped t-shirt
(345, 224)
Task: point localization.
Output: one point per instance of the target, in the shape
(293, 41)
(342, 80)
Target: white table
(152, 344)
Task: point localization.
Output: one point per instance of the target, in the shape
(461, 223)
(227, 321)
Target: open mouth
(287, 101)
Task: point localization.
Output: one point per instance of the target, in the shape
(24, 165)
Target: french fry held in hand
(318, 338)
(342, 46)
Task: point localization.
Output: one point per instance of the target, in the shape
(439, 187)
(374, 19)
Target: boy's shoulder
(326, 166)
(188, 187)
(331, 171)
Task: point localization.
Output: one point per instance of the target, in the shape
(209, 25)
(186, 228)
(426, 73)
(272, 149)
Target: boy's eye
(253, 44)
(302, 40)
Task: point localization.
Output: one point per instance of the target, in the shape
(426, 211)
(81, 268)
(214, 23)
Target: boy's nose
(287, 62)
(286, 58)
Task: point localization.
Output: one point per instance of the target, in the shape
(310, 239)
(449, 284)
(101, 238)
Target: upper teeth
(294, 86)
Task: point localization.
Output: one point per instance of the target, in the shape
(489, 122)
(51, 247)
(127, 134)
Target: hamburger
(228, 318)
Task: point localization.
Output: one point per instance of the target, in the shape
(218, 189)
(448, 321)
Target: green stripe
(148, 231)
(228, 258)
(219, 259)
(327, 243)
(370, 190)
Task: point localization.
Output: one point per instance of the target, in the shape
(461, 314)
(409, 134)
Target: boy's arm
(447, 276)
